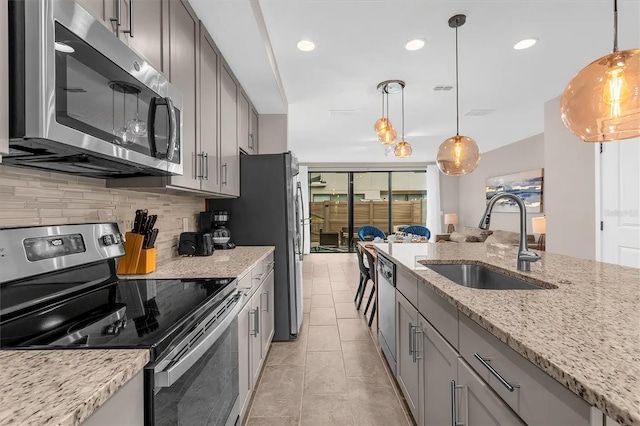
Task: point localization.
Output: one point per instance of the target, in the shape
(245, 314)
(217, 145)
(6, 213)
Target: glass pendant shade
(458, 155)
(388, 137)
(403, 149)
(382, 125)
(602, 102)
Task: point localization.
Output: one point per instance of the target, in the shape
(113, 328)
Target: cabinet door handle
(199, 175)
(130, 30)
(267, 293)
(485, 361)
(116, 18)
(205, 159)
(255, 314)
(257, 321)
(411, 339)
(417, 354)
(224, 179)
(251, 144)
(454, 405)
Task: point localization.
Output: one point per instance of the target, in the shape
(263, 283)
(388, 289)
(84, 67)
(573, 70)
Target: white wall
(272, 133)
(449, 197)
(520, 156)
(569, 188)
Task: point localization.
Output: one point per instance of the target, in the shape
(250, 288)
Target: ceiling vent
(479, 112)
(341, 112)
(442, 88)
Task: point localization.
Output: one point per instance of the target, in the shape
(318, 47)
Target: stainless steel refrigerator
(270, 212)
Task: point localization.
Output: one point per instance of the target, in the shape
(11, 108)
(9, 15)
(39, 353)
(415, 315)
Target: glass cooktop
(55, 313)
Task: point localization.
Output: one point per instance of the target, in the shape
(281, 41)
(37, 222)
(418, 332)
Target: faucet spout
(525, 257)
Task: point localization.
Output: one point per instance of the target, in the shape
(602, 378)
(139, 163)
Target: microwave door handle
(151, 131)
(166, 378)
(173, 129)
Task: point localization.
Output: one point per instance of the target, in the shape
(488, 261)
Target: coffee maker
(215, 223)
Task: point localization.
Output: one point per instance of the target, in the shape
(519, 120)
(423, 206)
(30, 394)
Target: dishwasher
(387, 310)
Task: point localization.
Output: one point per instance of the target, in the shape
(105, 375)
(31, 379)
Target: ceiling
(330, 93)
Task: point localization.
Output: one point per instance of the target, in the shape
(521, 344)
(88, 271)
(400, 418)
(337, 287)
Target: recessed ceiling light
(306, 45)
(525, 44)
(63, 47)
(415, 44)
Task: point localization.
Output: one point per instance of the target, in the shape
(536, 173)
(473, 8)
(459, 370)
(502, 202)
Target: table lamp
(540, 227)
(451, 219)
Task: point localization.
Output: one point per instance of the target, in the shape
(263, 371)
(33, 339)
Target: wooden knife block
(136, 261)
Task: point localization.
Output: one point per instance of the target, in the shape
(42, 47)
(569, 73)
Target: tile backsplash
(31, 197)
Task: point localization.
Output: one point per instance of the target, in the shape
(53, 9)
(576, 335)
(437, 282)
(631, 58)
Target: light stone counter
(585, 333)
(62, 387)
(222, 264)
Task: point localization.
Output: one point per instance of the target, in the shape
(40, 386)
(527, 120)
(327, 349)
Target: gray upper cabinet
(253, 131)
(104, 10)
(229, 161)
(141, 29)
(209, 137)
(475, 404)
(243, 122)
(183, 30)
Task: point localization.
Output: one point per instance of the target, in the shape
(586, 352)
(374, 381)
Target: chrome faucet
(525, 257)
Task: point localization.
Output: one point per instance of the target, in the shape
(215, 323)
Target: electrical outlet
(185, 224)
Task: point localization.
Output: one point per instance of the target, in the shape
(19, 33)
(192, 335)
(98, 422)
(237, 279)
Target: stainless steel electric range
(59, 290)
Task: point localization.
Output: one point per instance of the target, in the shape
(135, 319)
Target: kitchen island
(62, 387)
(583, 330)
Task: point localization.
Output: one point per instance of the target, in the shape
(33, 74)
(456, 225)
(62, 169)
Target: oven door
(75, 84)
(197, 383)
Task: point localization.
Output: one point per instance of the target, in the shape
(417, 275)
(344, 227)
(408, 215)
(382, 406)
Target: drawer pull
(485, 361)
(259, 277)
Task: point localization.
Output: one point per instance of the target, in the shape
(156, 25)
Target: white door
(620, 194)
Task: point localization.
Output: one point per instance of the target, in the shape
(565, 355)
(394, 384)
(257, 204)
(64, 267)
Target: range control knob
(108, 239)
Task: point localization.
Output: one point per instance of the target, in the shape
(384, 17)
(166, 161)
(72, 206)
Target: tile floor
(333, 373)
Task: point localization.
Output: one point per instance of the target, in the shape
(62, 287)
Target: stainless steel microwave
(82, 101)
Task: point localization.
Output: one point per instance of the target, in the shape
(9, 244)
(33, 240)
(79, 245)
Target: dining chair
(364, 278)
(423, 231)
(372, 275)
(370, 231)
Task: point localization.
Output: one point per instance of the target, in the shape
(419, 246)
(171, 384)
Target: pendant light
(601, 103)
(387, 134)
(383, 123)
(403, 148)
(458, 155)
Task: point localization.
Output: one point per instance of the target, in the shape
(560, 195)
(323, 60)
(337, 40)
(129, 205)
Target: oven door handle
(166, 378)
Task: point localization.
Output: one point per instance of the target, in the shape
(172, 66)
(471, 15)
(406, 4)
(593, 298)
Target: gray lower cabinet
(437, 348)
(438, 368)
(267, 321)
(125, 407)
(406, 354)
(255, 327)
(475, 403)
(229, 161)
(244, 357)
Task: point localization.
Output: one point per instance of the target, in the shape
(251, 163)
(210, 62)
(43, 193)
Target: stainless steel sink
(476, 276)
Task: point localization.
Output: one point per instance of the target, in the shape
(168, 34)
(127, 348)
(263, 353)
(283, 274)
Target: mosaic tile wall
(29, 197)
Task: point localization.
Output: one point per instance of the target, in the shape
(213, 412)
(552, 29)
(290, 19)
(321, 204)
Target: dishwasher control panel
(387, 269)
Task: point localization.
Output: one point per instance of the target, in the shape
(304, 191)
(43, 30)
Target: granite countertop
(585, 333)
(222, 264)
(50, 387)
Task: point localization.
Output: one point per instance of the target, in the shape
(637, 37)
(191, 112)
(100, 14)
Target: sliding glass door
(342, 202)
